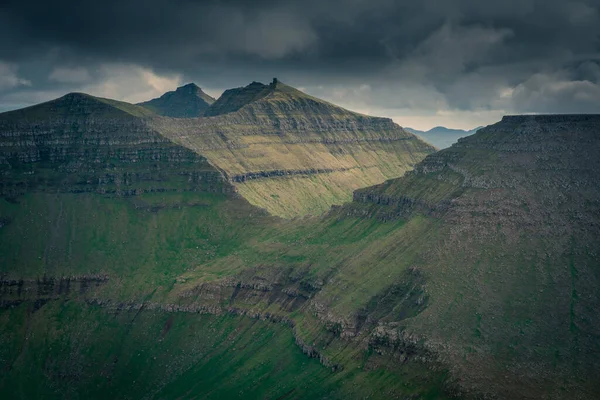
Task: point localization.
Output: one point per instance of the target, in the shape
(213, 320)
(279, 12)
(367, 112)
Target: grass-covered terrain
(475, 275)
(293, 154)
(152, 249)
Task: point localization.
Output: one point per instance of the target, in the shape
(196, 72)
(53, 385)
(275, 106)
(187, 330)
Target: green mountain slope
(291, 153)
(514, 266)
(96, 261)
(187, 101)
(476, 275)
(80, 143)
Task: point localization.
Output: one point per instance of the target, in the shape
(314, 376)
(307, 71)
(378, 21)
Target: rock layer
(515, 264)
(79, 143)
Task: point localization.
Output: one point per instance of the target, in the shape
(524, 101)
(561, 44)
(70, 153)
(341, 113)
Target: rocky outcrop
(14, 292)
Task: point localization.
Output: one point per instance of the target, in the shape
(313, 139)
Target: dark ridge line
(551, 118)
(328, 142)
(289, 172)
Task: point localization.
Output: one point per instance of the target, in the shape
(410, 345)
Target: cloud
(464, 58)
(451, 50)
(9, 78)
(70, 75)
(127, 82)
(557, 92)
(131, 83)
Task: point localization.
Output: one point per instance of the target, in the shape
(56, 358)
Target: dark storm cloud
(380, 55)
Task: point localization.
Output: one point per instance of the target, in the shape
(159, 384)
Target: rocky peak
(188, 101)
(233, 99)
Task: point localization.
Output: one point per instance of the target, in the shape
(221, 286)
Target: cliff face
(187, 101)
(514, 265)
(79, 143)
(293, 154)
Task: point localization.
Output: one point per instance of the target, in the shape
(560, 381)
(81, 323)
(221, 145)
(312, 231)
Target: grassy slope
(153, 255)
(69, 350)
(64, 107)
(482, 276)
(287, 130)
(66, 350)
(148, 245)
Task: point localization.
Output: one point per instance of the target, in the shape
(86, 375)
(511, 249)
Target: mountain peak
(187, 101)
(77, 104)
(233, 99)
(272, 96)
(189, 85)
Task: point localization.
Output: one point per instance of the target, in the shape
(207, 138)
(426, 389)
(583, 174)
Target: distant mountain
(187, 101)
(442, 137)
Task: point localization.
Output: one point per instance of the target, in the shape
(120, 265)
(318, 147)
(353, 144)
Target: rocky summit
(140, 257)
(187, 101)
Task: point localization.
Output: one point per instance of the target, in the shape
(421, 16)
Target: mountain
(512, 217)
(293, 154)
(233, 99)
(112, 244)
(80, 143)
(442, 137)
(187, 101)
(131, 266)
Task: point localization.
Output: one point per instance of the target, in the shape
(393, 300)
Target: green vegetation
(75, 105)
(474, 275)
(293, 154)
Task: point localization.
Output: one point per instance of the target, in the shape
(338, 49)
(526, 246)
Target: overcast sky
(423, 63)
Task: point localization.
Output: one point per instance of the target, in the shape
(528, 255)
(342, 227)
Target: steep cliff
(187, 101)
(514, 258)
(291, 153)
(80, 143)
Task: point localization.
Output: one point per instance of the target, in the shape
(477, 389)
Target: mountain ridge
(67, 105)
(294, 154)
(436, 284)
(442, 137)
(187, 101)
